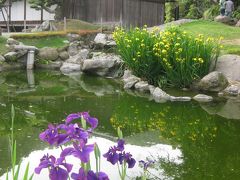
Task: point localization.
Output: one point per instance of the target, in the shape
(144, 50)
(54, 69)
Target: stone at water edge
(14, 56)
(160, 96)
(127, 73)
(180, 98)
(203, 98)
(130, 82)
(229, 65)
(70, 67)
(142, 86)
(213, 82)
(73, 48)
(48, 53)
(79, 58)
(232, 90)
(11, 42)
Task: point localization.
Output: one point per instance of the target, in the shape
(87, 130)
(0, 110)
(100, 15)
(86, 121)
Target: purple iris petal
(50, 135)
(67, 152)
(84, 154)
(94, 176)
(131, 162)
(146, 164)
(72, 117)
(58, 173)
(91, 120)
(112, 156)
(120, 146)
(80, 176)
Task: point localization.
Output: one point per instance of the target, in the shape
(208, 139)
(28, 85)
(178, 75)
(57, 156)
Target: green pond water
(209, 142)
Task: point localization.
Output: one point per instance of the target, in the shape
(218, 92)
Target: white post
(30, 78)
(65, 24)
(30, 60)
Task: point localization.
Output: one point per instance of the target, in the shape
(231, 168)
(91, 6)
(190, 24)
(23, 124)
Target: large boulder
(108, 65)
(213, 82)
(64, 55)
(11, 42)
(232, 90)
(229, 65)
(142, 86)
(225, 20)
(70, 67)
(48, 53)
(73, 48)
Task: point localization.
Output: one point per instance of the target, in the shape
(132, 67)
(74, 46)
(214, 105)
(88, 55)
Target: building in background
(16, 15)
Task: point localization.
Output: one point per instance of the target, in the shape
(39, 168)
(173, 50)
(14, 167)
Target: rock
(127, 74)
(62, 49)
(24, 47)
(52, 65)
(232, 90)
(225, 20)
(104, 40)
(73, 37)
(151, 88)
(80, 57)
(238, 24)
(70, 67)
(130, 82)
(142, 86)
(160, 96)
(73, 48)
(203, 98)
(181, 98)
(14, 56)
(2, 59)
(64, 55)
(100, 39)
(11, 42)
(229, 65)
(213, 82)
(48, 53)
(45, 26)
(108, 65)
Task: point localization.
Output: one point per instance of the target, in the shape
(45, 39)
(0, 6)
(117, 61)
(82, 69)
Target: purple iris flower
(117, 154)
(55, 167)
(146, 164)
(90, 175)
(80, 151)
(50, 135)
(91, 120)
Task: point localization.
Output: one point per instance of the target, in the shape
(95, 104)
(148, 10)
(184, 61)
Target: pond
(188, 140)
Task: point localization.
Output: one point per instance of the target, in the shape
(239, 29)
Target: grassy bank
(3, 48)
(230, 34)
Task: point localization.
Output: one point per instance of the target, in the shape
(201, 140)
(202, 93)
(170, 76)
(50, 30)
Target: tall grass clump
(167, 57)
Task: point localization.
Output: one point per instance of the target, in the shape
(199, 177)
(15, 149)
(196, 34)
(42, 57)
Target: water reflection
(140, 153)
(205, 141)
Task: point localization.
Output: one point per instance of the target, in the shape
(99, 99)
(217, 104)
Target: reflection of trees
(210, 145)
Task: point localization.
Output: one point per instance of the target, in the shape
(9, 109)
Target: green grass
(215, 29)
(3, 48)
(55, 41)
(74, 24)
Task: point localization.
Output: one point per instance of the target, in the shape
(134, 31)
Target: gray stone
(160, 96)
(14, 56)
(225, 20)
(48, 53)
(73, 37)
(24, 47)
(70, 67)
(203, 98)
(80, 57)
(213, 82)
(180, 98)
(2, 59)
(11, 41)
(64, 55)
(108, 65)
(73, 48)
(151, 88)
(127, 74)
(130, 82)
(232, 90)
(142, 86)
(100, 39)
(229, 65)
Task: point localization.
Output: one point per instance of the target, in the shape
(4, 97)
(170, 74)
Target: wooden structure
(127, 12)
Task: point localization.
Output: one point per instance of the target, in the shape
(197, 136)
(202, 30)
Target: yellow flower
(164, 51)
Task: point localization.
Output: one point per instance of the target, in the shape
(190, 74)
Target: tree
(46, 5)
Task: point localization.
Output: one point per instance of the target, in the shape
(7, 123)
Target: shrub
(171, 56)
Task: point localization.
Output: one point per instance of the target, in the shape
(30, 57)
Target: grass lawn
(3, 48)
(214, 29)
(54, 41)
(74, 24)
